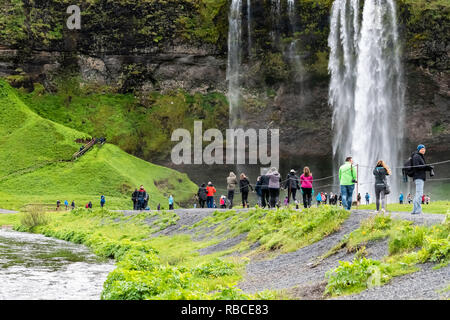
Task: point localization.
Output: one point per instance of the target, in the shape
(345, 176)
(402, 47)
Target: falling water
(366, 90)
(234, 61)
(292, 54)
(249, 27)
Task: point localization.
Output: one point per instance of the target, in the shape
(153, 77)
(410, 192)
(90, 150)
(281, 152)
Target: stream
(34, 267)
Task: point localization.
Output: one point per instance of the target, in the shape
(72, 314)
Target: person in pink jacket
(306, 180)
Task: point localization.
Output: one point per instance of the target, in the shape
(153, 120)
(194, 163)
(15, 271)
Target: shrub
(36, 216)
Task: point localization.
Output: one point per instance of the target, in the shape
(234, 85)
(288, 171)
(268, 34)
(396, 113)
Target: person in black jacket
(258, 190)
(420, 170)
(202, 193)
(380, 172)
(264, 191)
(134, 198)
(292, 185)
(244, 184)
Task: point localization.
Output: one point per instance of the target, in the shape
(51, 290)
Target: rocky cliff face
(147, 46)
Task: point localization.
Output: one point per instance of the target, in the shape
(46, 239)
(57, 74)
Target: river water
(34, 267)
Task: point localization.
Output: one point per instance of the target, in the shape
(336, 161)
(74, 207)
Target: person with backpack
(367, 196)
(381, 186)
(134, 198)
(347, 178)
(142, 196)
(102, 201)
(244, 185)
(210, 195)
(170, 202)
(306, 181)
(420, 169)
(231, 187)
(202, 195)
(292, 184)
(274, 186)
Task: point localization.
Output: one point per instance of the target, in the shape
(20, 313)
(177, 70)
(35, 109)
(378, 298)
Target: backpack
(408, 170)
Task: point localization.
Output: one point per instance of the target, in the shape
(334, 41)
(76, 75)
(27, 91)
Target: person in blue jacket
(170, 202)
(318, 198)
(102, 201)
(401, 198)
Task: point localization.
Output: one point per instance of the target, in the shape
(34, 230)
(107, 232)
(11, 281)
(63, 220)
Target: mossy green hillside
(140, 126)
(35, 168)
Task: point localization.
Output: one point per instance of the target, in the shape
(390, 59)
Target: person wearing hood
(244, 185)
(274, 186)
(202, 195)
(292, 185)
(231, 187)
(420, 170)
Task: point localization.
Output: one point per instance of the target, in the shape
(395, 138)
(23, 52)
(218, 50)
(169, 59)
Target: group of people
(72, 205)
(268, 186)
(140, 199)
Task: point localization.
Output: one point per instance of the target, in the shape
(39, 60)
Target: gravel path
(2, 211)
(300, 272)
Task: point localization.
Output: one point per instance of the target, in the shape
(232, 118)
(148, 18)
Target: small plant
(36, 216)
(354, 276)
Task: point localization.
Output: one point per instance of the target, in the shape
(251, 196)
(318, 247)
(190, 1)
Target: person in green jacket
(347, 178)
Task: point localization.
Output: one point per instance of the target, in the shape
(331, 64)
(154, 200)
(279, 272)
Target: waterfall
(366, 91)
(234, 61)
(292, 55)
(249, 27)
(276, 15)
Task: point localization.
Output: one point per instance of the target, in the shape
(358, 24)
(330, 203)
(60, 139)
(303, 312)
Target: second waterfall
(366, 90)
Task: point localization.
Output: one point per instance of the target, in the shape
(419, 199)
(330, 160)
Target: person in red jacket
(210, 191)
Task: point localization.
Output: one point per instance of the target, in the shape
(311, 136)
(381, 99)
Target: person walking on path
(134, 198)
(306, 181)
(400, 199)
(202, 195)
(367, 198)
(73, 205)
(170, 202)
(210, 195)
(381, 187)
(420, 169)
(258, 191)
(66, 203)
(231, 187)
(102, 201)
(347, 178)
(244, 185)
(265, 191)
(58, 204)
(409, 198)
(274, 186)
(292, 184)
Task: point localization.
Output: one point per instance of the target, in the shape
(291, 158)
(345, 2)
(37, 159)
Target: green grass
(441, 207)
(408, 246)
(32, 169)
